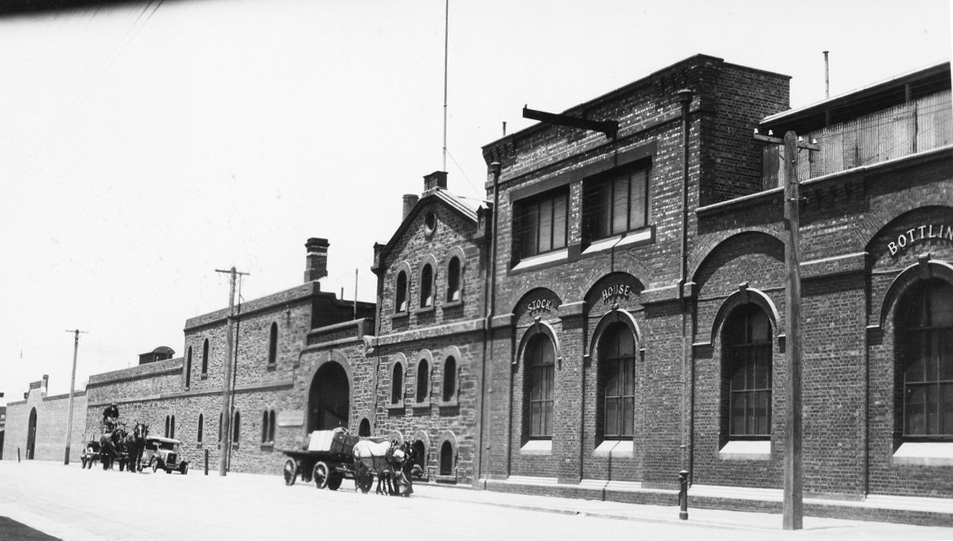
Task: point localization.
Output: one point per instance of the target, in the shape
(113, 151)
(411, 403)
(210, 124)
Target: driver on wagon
(111, 416)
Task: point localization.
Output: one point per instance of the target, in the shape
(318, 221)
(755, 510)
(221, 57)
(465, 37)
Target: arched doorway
(31, 436)
(329, 403)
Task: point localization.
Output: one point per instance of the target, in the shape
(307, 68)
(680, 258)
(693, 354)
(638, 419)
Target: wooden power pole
(793, 504)
(72, 385)
(227, 381)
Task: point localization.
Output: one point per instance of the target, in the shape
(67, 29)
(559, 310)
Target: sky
(145, 146)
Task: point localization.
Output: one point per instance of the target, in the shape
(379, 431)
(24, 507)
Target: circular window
(430, 223)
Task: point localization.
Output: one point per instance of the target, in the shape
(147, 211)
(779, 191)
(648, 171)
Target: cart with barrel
(328, 459)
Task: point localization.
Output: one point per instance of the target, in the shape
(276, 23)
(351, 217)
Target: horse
(111, 445)
(382, 458)
(135, 444)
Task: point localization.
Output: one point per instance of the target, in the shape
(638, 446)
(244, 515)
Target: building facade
(613, 312)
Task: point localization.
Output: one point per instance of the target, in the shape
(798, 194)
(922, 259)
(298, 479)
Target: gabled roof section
(467, 207)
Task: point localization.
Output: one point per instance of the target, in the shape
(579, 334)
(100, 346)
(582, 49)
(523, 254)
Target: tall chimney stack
(409, 201)
(317, 262)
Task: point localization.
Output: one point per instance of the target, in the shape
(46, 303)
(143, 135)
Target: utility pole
(793, 503)
(227, 380)
(72, 385)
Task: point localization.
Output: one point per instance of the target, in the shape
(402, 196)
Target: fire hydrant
(683, 494)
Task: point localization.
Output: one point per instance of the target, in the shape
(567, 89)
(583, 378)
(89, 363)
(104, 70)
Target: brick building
(613, 312)
(36, 426)
(639, 324)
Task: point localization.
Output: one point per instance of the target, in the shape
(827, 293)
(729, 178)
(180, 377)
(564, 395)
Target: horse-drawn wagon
(335, 455)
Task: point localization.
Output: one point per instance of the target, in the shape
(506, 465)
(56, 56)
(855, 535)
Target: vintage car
(163, 453)
(90, 453)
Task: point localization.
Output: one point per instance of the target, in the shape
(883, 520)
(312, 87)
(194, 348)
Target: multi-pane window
(273, 344)
(540, 365)
(748, 372)
(449, 379)
(616, 204)
(617, 361)
(453, 280)
(925, 344)
(541, 224)
(426, 287)
(400, 304)
(397, 384)
(423, 381)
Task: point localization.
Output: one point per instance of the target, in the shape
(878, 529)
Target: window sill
(924, 454)
(448, 403)
(615, 449)
(271, 367)
(540, 260)
(267, 447)
(424, 310)
(395, 408)
(746, 450)
(400, 315)
(537, 447)
(452, 304)
(617, 241)
(421, 405)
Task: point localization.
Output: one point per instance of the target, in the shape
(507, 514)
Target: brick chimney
(317, 263)
(409, 201)
(437, 179)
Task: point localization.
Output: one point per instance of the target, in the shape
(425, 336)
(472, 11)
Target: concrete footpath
(711, 518)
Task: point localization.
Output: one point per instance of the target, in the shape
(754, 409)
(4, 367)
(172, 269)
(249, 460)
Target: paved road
(75, 504)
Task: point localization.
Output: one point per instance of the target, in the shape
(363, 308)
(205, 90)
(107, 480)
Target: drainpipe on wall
(688, 369)
(490, 305)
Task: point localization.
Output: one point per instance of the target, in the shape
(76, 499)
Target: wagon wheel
(363, 477)
(320, 474)
(334, 482)
(290, 471)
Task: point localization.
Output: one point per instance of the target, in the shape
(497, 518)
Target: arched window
(453, 280)
(617, 381)
(446, 458)
(423, 381)
(188, 368)
(426, 286)
(924, 338)
(198, 436)
(172, 427)
(540, 364)
(449, 379)
(205, 357)
(237, 427)
(747, 373)
(397, 384)
(400, 301)
(271, 426)
(364, 430)
(273, 345)
(166, 431)
(264, 426)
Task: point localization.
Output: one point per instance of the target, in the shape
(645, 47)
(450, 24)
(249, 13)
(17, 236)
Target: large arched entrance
(329, 404)
(31, 436)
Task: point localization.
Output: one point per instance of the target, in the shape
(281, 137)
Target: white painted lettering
(892, 246)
